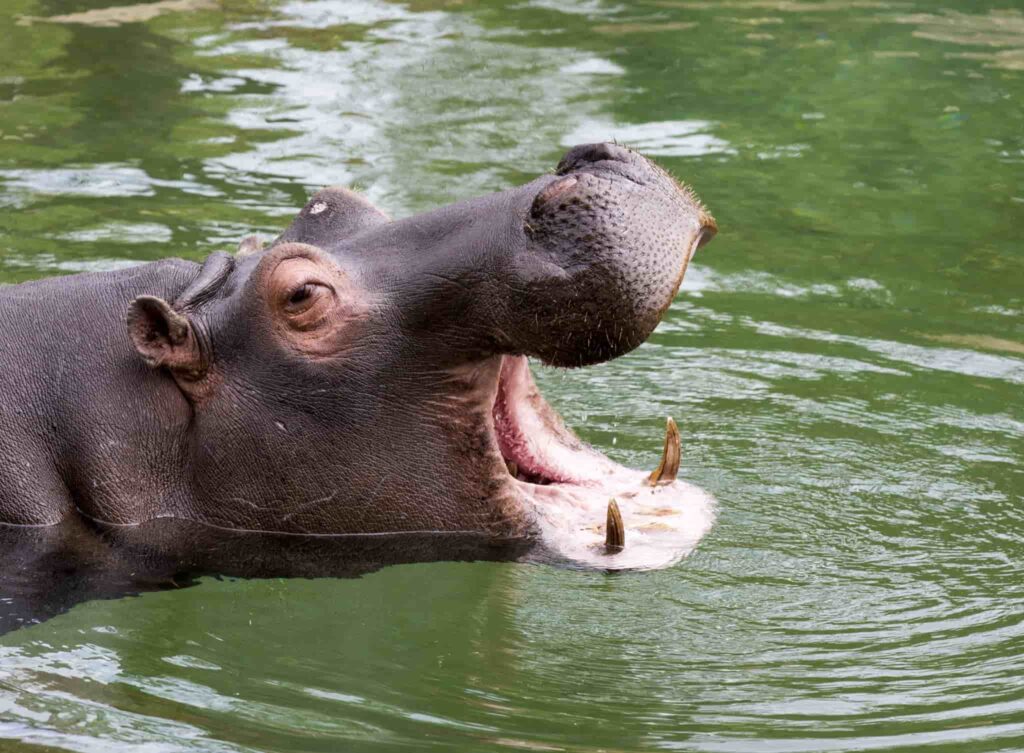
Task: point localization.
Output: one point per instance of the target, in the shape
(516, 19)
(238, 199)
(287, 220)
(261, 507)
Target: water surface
(846, 361)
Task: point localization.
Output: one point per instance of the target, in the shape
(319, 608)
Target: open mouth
(590, 510)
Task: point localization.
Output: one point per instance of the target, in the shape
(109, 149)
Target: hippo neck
(100, 430)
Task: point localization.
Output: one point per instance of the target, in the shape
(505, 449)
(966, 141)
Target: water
(846, 362)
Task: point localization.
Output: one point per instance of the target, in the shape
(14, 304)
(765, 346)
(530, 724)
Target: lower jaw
(661, 525)
(565, 487)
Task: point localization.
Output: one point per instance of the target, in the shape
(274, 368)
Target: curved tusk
(668, 468)
(615, 530)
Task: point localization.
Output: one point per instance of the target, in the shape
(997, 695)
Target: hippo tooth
(615, 530)
(513, 469)
(667, 469)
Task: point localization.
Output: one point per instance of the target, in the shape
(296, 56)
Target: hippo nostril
(551, 192)
(585, 154)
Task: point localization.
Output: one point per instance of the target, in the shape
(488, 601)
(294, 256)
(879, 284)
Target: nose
(611, 158)
(585, 155)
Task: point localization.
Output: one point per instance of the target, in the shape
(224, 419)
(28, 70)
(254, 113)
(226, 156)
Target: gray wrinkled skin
(343, 379)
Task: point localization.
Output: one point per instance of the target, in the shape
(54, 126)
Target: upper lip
(530, 435)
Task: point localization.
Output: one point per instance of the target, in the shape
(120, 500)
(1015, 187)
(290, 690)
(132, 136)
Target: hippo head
(363, 375)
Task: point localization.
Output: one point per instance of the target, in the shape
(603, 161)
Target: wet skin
(360, 375)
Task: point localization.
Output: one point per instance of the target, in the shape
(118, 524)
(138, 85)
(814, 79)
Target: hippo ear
(249, 245)
(163, 337)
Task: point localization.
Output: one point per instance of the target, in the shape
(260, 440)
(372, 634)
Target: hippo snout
(611, 236)
(573, 268)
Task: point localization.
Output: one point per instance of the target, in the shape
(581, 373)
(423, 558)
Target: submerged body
(360, 375)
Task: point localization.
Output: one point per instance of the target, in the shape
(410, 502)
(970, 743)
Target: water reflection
(342, 114)
(97, 561)
(120, 232)
(207, 691)
(101, 180)
(999, 28)
(117, 15)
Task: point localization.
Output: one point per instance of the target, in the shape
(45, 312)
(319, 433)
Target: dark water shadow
(45, 571)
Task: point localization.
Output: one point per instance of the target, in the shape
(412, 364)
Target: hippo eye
(301, 294)
(306, 295)
(307, 304)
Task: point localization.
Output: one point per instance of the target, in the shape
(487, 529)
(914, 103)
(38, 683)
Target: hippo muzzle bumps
(362, 375)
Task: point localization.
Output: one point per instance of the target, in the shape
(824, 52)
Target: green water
(846, 361)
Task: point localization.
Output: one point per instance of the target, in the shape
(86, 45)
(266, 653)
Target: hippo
(361, 375)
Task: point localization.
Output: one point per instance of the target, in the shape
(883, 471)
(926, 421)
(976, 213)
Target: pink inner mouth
(535, 443)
